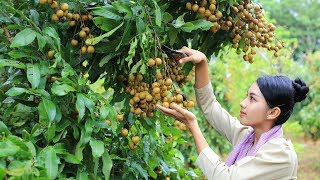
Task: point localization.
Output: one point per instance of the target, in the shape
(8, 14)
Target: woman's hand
(180, 114)
(193, 56)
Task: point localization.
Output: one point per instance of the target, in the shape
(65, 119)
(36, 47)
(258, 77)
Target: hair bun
(301, 90)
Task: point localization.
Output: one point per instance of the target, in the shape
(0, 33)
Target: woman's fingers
(186, 59)
(169, 112)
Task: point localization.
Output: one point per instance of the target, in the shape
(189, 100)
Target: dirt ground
(308, 153)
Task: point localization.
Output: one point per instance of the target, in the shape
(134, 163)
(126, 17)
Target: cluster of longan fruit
(62, 13)
(246, 23)
(159, 89)
(84, 34)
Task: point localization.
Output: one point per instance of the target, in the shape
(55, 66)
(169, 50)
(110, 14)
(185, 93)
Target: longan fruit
(82, 34)
(135, 139)
(124, 132)
(74, 42)
(151, 62)
(90, 49)
(64, 6)
(43, 1)
(50, 54)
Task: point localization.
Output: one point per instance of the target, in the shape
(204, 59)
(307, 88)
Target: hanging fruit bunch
(62, 14)
(245, 21)
(160, 86)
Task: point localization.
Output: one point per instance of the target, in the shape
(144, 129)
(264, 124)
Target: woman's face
(254, 108)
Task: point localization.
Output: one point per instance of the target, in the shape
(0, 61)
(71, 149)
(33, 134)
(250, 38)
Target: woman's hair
(280, 91)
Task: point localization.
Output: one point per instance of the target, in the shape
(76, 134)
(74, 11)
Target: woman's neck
(259, 131)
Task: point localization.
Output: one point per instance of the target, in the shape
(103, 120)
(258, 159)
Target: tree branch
(4, 27)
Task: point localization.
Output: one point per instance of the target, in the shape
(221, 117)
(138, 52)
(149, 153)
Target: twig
(7, 33)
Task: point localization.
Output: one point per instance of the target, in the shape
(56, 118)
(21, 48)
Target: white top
(274, 160)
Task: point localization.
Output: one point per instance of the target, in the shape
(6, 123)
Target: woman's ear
(274, 113)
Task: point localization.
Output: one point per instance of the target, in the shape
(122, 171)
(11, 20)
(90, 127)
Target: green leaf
(18, 54)
(61, 90)
(34, 16)
(7, 148)
(194, 25)
(2, 172)
(80, 106)
(126, 33)
(142, 171)
(105, 24)
(107, 11)
(93, 41)
(179, 21)
(15, 91)
(136, 66)
(53, 33)
(47, 110)
(187, 68)
(141, 26)
(104, 111)
(106, 59)
(16, 168)
(4, 129)
(51, 132)
(51, 162)
(23, 38)
(173, 33)
(97, 148)
(41, 41)
(167, 17)
(12, 63)
(106, 164)
(33, 74)
(123, 7)
(70, 158)
(132, 51)
(82, 175)
(18, 142)
(158, 13)
(202, 24)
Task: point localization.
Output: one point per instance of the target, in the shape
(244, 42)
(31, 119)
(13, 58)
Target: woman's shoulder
(280, 148)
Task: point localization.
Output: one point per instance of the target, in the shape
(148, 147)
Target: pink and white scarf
(241, 150)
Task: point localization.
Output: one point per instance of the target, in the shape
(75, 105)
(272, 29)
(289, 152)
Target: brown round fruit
(54, 4)
(108, 122)
(43, 1)
(195, 7)
(189, 6)
(120, 117)
(135, 139)
(168, 82)
(50, 54)
(64, 6)
(86, 29)
(82, 34)
(151, 62)
(158, 61)
(72, 23)
(54, 17)
(190, 104)
(83, 49)
(132, 145)
(166, 104)
(124, 132)
(59, 13)
(179, 98)
(74, 42)
(90, 49)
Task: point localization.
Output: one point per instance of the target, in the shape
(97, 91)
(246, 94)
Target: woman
(260, 151)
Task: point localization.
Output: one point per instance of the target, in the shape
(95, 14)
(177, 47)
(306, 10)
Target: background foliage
(56, 121)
